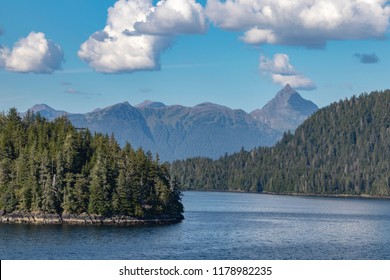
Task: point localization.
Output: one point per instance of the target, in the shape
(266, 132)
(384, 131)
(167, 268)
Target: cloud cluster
(137, 32)
(309, 23)
(367, 58)
(282, 72)
(34, 54)
(3, 56)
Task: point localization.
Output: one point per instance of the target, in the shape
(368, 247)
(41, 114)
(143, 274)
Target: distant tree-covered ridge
(343, 148)
(56, 168)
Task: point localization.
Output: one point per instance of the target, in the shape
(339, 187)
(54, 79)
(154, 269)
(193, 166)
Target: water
(222, 226)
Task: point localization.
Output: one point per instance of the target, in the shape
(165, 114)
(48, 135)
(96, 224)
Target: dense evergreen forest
(53, 167)
(343, 148)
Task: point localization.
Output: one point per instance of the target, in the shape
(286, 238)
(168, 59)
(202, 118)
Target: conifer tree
(52, 167)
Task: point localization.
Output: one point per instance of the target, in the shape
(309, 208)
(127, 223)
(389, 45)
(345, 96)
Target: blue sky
(73, 55)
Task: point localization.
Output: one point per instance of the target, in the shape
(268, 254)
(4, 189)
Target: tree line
(343, 148)
(54, 167)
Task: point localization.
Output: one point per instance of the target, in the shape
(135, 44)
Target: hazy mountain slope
(123, 120)
(207, 129)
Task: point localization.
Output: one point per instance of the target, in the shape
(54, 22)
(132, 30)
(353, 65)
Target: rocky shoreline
(83, 219)
(330, 195)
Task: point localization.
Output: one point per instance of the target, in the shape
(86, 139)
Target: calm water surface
(222, 226)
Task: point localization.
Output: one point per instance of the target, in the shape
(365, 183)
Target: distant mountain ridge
(178, 132)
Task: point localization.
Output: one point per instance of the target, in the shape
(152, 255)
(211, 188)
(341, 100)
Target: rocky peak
(286, 91)
(286, 110)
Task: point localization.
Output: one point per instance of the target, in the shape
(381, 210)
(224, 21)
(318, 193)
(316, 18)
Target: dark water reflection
(222, 226)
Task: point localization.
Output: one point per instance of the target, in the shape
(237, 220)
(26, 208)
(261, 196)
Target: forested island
(342, 149)
(53, 172)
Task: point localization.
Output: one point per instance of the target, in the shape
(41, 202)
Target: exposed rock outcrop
(83, 219)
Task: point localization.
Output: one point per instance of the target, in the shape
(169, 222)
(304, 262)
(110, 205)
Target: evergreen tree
(52, 167)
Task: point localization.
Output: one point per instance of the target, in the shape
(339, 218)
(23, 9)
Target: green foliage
(341, 149)
(53, 167)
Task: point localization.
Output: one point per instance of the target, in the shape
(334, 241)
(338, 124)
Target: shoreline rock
(330, 195)
(83, 219)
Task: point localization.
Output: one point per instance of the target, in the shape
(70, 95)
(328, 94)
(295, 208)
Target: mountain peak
(286, 91)
(150, 104)
(40, 107)
(288, 87)
(119, 107)
(286, 110)
(125, 103)
(47, 111)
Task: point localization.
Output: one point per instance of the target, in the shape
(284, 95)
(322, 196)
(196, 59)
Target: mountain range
(207, 129)
(342, 149)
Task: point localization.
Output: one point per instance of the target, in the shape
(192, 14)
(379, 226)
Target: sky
(81, 55)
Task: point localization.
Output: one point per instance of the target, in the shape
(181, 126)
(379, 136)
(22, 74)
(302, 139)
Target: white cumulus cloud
(34, 54)
(174, 17)
(137, 32)
(301, 22)
(4, 53)
(282, 72)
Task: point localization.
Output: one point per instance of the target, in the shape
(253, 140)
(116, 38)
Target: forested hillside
(53, 167)
(342, 149)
